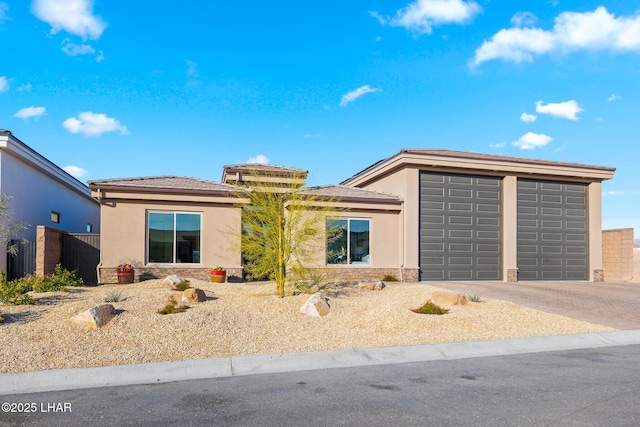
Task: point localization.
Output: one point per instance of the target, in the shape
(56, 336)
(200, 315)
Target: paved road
(610, 303)
(595, 387)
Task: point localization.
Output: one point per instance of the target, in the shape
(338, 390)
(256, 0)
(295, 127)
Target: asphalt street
(594, 387)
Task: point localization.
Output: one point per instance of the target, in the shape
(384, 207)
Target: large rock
(448, 299)
(96, 317)
(193, 295)
(316, 306)
(371, 286)
(173, 281)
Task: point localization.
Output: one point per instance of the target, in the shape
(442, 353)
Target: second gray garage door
(460, 227)
(552, 231)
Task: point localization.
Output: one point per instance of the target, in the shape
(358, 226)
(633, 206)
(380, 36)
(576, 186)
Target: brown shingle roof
(352, 194)
(168, 184)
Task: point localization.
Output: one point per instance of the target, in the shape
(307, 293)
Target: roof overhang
(483, 164)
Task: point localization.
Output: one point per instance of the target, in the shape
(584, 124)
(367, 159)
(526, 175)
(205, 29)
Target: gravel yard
(240, 318)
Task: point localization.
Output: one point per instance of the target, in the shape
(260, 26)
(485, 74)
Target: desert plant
(182, 286)
(58, 281)
(389, 278)
(8, 228)
(173, 307)
(283, 227)
(113, 296)
(14, 292)
(474, 298)
(430, 308)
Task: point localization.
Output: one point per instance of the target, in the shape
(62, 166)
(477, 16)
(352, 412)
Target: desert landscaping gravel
(245, 318)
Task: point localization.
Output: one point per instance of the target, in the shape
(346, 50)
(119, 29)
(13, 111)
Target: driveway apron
(613, 304)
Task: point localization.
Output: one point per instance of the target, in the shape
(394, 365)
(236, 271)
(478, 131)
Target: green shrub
(14, 292)
(113, 296)
(389, 278)
(173, 307)
(58, 281)
(430, 308)
(474, 298)
(183, 286)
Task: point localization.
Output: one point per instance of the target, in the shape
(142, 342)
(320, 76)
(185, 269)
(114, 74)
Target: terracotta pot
(218, 276)
(125, 276)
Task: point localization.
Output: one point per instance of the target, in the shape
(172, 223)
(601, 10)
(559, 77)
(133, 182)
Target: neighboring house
(41, 193)
(418, 215)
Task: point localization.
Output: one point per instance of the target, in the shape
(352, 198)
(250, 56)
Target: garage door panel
(470, 227)
(552, 231)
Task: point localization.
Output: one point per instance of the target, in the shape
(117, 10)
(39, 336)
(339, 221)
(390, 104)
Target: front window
(174, 237)
(348, 241)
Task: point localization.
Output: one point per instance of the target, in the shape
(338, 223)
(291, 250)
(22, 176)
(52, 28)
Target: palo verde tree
(283, 224)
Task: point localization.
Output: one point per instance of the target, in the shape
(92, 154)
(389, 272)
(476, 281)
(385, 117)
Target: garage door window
(349, 241)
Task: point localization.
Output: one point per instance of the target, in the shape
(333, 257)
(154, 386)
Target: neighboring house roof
(343, 193)
(440, 158)
(163, 184)
(13, 146)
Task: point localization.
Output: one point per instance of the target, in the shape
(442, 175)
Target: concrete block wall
(617, 254)
(48, 249)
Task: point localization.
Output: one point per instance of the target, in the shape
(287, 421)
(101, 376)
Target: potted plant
(126, 273)
(218, 274)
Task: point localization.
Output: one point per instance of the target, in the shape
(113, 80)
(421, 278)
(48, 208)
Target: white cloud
(528, 118)
(355, 94)
(260, 159)
(4, 84)
(73, 16)
(566, 110)
(531, 141)
(92, 124)
(613, 193)
(312, 135)
(3, 12)
(73, 49)
(100, 56)
(29, 112)
(572, 31)
(613, 97)
(498, 145)
(75, 171)
(192, 69)
(422, 15)
(523, 19)
(25, 88)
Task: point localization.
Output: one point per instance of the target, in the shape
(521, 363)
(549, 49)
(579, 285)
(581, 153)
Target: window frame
(55, 217)
(175, 241)
(349, 262)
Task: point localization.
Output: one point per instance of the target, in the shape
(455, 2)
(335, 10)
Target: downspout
(402, 221)
(100, 263)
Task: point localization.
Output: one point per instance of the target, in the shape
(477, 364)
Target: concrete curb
(152, 373)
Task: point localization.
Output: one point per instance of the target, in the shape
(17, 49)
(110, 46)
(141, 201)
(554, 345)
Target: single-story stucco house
(418, 215)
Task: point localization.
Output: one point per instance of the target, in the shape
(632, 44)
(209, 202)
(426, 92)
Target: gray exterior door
(460, 227)
(553, 241)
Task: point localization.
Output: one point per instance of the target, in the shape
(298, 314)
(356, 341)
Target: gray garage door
(552, 231)
(460, 227)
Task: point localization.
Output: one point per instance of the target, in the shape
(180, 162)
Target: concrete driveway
(611, 304)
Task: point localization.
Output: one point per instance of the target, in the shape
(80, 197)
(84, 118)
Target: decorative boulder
(173, 281)
(96, 317)
(316, 306)
(447, 299)
(371, 286)
(193, 295)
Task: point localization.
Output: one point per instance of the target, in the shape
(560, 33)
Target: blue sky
(112, 89)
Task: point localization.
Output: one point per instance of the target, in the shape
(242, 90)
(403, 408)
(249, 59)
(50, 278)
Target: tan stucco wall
(124, 232)
(617, 254)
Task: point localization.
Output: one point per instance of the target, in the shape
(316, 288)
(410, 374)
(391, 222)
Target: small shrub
(183, 286)
(430, 308)
(474, 298)
(113, 296)
(14, 292)
(58, 281)
(389, 278)
(173, 307)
